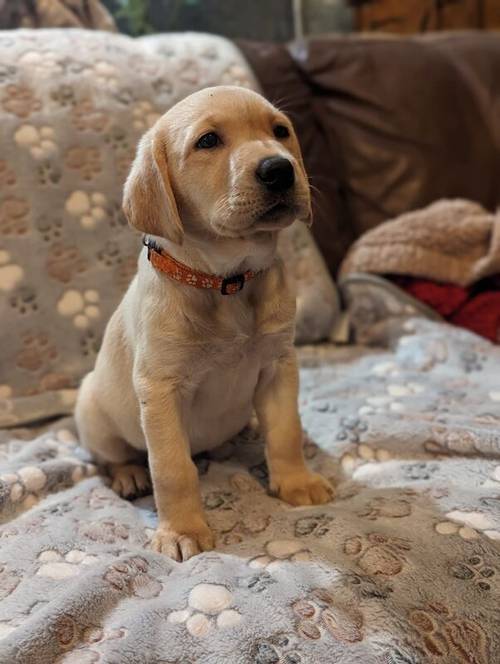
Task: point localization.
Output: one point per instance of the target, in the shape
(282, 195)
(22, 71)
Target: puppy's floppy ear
(148, 199)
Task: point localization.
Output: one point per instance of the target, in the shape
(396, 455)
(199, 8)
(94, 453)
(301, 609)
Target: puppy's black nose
(275, 173)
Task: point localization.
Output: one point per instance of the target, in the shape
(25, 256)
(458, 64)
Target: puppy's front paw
(182, 543)
(304, 488)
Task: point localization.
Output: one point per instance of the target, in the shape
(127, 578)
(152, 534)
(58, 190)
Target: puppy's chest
(230, 364)
(244, 340)
(220, 335)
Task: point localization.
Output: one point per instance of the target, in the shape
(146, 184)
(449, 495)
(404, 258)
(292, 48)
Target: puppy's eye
(280, 131)
(208, 141)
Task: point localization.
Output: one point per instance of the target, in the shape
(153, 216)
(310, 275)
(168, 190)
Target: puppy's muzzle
(276, 174)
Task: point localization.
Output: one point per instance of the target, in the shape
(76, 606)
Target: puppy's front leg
(276, 405)
(182, 530)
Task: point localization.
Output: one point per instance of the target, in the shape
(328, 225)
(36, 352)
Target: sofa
(402, 568)
(388, 124)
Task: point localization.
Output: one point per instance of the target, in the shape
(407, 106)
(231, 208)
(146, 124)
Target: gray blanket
(402, 568)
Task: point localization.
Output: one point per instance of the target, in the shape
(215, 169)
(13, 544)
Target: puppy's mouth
(276, 211)
(268, 216)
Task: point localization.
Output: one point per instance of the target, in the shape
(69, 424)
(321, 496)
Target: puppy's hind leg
(130, 480)
(99, 437)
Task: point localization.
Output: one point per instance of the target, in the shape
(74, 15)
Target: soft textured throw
(451, 241)
(402, 568)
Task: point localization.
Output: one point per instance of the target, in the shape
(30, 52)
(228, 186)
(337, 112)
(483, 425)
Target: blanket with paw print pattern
(403, 567)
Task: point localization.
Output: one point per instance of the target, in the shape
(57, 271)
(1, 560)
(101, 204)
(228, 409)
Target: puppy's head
(222, 162)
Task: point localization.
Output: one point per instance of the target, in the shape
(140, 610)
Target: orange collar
(180, 272)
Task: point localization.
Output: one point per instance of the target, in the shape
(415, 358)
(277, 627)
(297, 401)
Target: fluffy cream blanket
(452, 241)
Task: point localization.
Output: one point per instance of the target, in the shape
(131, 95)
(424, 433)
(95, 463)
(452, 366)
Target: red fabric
(481, 314)
(476, 308)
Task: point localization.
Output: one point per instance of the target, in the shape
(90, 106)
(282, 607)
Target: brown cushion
(391, 124)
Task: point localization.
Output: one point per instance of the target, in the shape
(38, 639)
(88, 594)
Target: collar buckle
(151, 246)
(232, 285)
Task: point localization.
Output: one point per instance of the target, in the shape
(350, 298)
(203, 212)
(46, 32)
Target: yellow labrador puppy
(204, 334)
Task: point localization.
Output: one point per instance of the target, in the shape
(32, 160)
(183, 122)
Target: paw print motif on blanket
(89, 209)
(78, 641)
(89, 343)
(388, 508)
(64, 262)
(189, 71)
(22, 488)
(143, 115)
(117, 138)
(447, 637)
(131, 576)
(50, 228)
(316, 526)
(446, 440)
(85, 642)
(106, 531)
(279, 552)
(86, 117)
(24, 300)
(209, 608)
(58, 566)
(20, 100)
(64, 95)
(475, 570)
(37, 352)
(390, 402)
(48, 172)
(236, 75)
(277, 648)
(104, 73)
(468, 525)
(7, 175)
(85, 160)
(377, 553)
(362, 454)
(351, 429)
(39, 141)
(14, 216)
(241, 529)
(81, 307)
(10, 273)
(44, 63)
(24, 485)
(320, 615)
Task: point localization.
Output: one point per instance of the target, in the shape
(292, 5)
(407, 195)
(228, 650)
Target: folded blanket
(451, 241)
